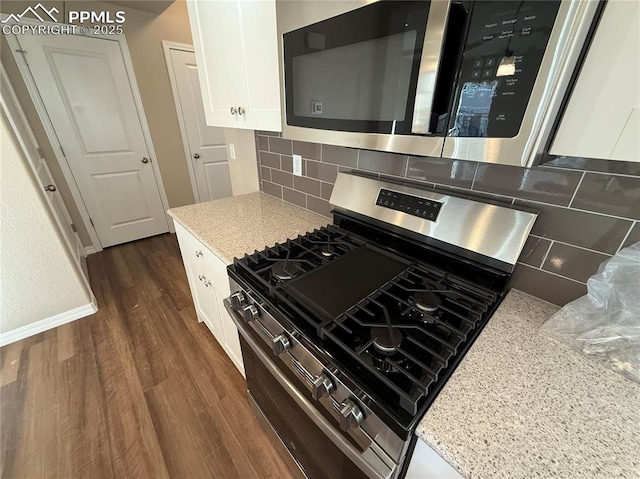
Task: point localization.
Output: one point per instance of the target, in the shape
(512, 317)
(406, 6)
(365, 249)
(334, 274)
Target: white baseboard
(91, 249)
(47, 323)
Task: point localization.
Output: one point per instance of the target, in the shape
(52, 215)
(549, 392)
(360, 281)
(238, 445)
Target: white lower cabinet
(427, 464)
(209, 284)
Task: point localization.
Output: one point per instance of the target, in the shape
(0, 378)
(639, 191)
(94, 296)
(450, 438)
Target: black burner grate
(427, 340)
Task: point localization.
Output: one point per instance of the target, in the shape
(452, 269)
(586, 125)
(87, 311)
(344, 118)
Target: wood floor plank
(138, 390)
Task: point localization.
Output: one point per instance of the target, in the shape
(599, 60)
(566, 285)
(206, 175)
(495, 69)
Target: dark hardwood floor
(139, 390)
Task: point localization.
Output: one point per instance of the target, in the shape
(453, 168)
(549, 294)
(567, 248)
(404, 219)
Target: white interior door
(206, 144)
(28, 143)
(84, 86)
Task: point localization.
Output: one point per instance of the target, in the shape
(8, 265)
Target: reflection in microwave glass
(472, 117)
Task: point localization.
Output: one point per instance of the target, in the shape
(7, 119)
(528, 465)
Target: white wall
(244, 169)
(38, 278)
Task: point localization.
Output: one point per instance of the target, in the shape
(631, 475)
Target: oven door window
(318, 456)
(358, 71)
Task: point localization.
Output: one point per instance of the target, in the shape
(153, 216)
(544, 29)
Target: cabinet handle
(233, 110)
(240, 110)
(198, 254)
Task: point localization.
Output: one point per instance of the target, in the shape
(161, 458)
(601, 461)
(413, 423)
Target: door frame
(60, 157)
(167, 46)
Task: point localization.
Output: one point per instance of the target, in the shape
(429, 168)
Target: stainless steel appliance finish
(380, 448)
(558, 64)
(489, 230)
(350, 331)
(560, 60)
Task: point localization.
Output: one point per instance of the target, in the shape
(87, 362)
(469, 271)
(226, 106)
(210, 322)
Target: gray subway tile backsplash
(310, 151)
(271, 160)
(609, 194)
(339, 155)
(440, 170)
(553, 265)
(295, 197)
(380, 162)
(272, 189)
(321, 171)
(572, 262)
(282, 178)
(550, 287)
(634, 235)
(319, 205)
(538, 184)
(278, 145)
(307, 185)
(589, 230)
(534, 251)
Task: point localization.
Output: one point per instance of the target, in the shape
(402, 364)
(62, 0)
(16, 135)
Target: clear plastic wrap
(605, 323)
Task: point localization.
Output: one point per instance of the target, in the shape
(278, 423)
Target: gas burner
(426, 301)
(386, 339)
(284, 271)
(327, 251)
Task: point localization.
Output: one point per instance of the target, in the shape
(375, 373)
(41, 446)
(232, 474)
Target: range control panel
(412, 205)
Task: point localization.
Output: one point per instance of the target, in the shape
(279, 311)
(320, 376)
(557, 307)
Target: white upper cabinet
(236, 47)
(602, 118)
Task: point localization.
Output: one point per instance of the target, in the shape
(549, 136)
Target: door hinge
(92, 222)
(62, 150)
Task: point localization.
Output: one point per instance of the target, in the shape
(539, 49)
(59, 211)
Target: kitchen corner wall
(585, 216)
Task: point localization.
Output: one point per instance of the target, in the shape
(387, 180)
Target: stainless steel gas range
(349, 332)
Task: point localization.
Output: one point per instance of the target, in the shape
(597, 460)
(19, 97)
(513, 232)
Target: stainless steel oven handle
(373, 466)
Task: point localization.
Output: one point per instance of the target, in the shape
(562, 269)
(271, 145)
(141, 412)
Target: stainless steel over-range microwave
(479, 80)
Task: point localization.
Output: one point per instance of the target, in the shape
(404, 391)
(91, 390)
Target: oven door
(318, 448)
(369, 70)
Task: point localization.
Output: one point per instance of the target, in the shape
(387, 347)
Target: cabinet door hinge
(62, 150)
(92, 222)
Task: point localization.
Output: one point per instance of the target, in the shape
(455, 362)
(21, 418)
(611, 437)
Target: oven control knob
(280, 344)
(237, 300)
(250, 313)
(321, 386)
(350, 415)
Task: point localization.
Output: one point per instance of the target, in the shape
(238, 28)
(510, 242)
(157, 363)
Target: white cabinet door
(602, 117)
(209, 284)
(259, 34)
(237, 55)
(202, 287)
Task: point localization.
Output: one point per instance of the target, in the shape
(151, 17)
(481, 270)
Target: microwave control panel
(409, 204)
(505, 44)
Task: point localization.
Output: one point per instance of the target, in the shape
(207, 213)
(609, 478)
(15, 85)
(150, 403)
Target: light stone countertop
(521, 405)
(231, 227)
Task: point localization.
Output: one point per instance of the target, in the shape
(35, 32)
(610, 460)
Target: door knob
(240, 110)
(145, 160)
(50, 188)
(196, 155)
(233, 110)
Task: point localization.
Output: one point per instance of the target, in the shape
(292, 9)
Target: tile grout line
(627, 235)
(576, 190)
(546, 254)
(608, 173)
(551, 272)
(572, 245)
(576, 209)
(473, 182)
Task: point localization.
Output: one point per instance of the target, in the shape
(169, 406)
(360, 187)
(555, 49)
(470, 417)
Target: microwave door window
(366, 81)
